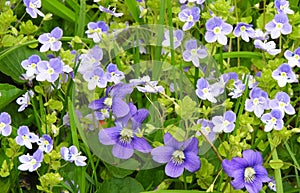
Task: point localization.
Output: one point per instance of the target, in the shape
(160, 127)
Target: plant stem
(212, 146)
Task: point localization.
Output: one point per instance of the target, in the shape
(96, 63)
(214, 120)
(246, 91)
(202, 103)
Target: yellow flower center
(226, 123)
(205, 90)
(279, 25)
(282, 104)
(217, 30)
(194, 51)
(296, 56)
(108, 101)
(207, 129)
(255, 101)
(50, 71)
(52, 39)
(2, 125)
(249, 175)
(283, 74)
(104, 111)
(25, 137)
(98, 30)
(190, 18)
(273, 120)
(32, 162)
(31, 5)
(243, 28)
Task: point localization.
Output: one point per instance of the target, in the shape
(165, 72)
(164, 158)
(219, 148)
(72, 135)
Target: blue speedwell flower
(190, 16)
(269, 47)
(32, 8)
(193, 52)
(273, 120)
(177, 38)
(96, 30)
(51, 40)
(49, 71)
(45, 143)
(283, 6)
(247, 171)
(224, 123)
(30, 65)
(207, 129)
(282, 102)
(5, 121)
(25, 137)
(113, 74)
(206, 92)
(293, 57)
(124, 137)
(24, 100)
(217, 30)
(90, 60)
(279, 25)
(284, 74)
(144, 85)
(31, 163)
(95, 78)
(258, 102)
(109, 11)
(244, 30)
(71, 154)
(177, 155)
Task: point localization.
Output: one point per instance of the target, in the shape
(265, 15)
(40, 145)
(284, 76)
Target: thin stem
(212, 146)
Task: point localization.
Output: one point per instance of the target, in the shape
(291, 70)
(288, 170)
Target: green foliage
(126, 184)
(8, 93)
(205, 175)
(48, 181)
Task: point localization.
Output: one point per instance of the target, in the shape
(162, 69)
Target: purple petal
(7, 130)
(230, 166)
(122, 151)
(230, 116)
(119, 107)
(169, 140)
(23, 130)
(210, 37)
(38, 155)
(253, 157)
(238, 182)
(261, 173)
(174, 170)
(289, 109)
(226, 28)
(191, 145)
(192, 162)
(57, 33)
(253, 187)
(191, 44)
(109, 136)
(162, 154)
(141, 145)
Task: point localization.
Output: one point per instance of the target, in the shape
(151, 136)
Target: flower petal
(173, 170)
(162, 154)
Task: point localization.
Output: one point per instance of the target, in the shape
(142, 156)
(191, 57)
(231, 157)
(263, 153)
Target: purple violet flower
(190, 16)
(206, 92)
(51, 40)
(282, 102)
(30, 65)
(49, 71)
(96, 30)
(45, 143)
(24, 100)
(258, 102)
(113, 74)
(124, 136)
(217, 30)
(279, 25)
(273, 120)
(25, 137)
(269, 47)
(207, 129)
(293, 57)
(31, 163)
(148, 86)
(112, 101)
(177, 38)
(193, 52)
(224, 123)
(283, 6)
(71, 154)
(284, 74)
(5, 121)
(247, 171)
(111, 12)
(32, 7)
(95, 78)
(177, 155)
(244, 30)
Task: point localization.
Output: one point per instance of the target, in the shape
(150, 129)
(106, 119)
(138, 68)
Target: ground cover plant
(149, 96)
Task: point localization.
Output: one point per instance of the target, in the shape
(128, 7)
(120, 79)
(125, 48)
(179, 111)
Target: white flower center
(217, 30)
(226, 123)
(46, 142)
(283, 74)
(98, 30)
(279, 25)
(178, 157)
(193, 51)
(32, 162)
(31, 5)
(104, 111)
(25, 137)
(50, 71)
(205, 91)
(273, 120)
(108, 101)
(249, 175)
(296, 56)
(32, 65)
(243, 28)
(207, 129)
(190, 18)
(126, 135)
(2, 125)
(255, 101)
(52, 40)
(282, 104)
(95, 78)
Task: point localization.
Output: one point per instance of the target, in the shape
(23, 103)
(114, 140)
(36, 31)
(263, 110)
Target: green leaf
(151, 177)
(127, 184)
(28, 27)
(187, 108)
(134, 9)
(177, 191)
(8, 93)
(276, 164)
(118, 172)
(59, 9)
